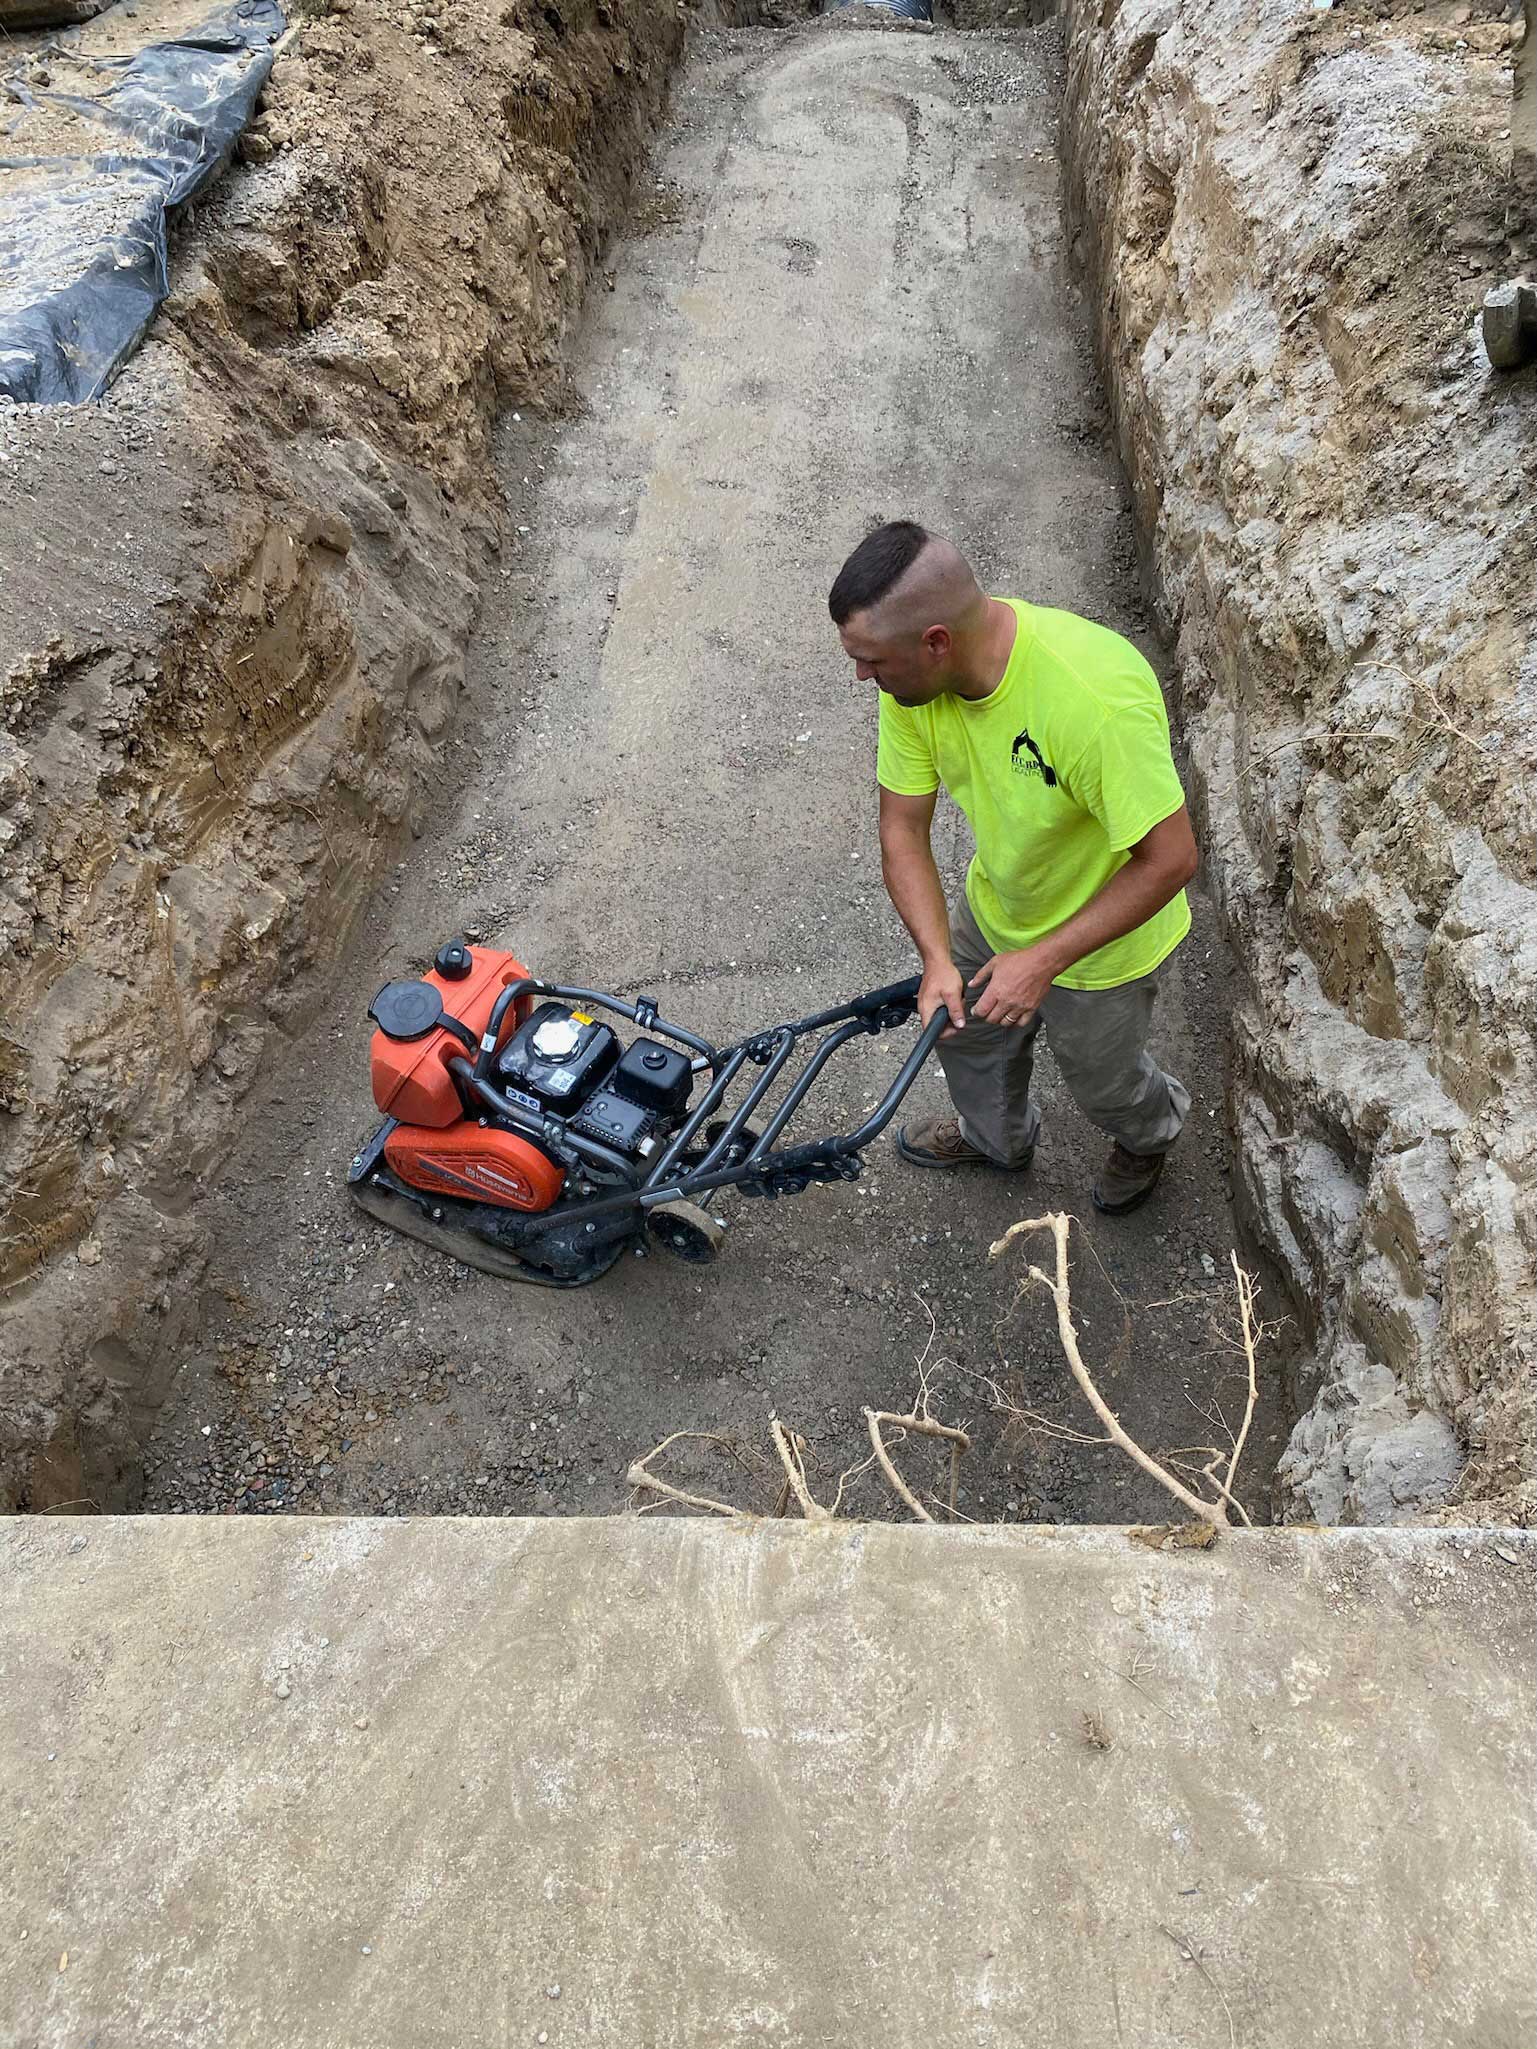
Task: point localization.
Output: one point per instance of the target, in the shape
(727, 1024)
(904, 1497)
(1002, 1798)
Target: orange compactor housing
(436, 1145)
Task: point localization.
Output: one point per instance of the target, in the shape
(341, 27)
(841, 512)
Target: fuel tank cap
(557, 1038)
(406, 1010)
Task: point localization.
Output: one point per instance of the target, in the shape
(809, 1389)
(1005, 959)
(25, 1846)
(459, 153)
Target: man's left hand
(1011, 986)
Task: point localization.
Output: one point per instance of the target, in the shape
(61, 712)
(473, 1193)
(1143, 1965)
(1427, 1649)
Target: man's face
(909, 667)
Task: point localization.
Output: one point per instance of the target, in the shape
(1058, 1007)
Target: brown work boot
(1126, 1180)
(940, 1142)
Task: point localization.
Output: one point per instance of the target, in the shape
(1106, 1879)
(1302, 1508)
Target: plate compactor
(523, 1136)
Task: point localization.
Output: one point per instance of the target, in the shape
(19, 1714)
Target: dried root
(644, 1481)
(1210, 1475)
(794, 1453)
(1095, 1733)
(1199, 1476)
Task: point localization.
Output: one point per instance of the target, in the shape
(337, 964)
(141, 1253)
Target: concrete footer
(681, 1783)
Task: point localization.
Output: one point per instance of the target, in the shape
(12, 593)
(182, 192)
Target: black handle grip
(893, 996)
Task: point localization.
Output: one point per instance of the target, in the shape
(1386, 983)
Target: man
(1050, 734)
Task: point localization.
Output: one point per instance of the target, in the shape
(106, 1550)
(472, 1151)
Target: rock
(1362, 1457)
(1510, 325)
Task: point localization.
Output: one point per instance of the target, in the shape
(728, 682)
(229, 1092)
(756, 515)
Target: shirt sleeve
(1126, 776)
(904, 760)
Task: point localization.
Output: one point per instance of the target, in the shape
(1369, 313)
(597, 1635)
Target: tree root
(922, 1426)
(793, 1449)
(1210, 1500)
(1059, 1288)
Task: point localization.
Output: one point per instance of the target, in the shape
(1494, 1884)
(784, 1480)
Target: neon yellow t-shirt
(1060, 769)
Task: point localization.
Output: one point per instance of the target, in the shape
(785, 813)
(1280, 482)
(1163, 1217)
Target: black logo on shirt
(1029, 760)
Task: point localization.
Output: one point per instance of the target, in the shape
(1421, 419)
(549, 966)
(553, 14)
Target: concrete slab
(339, 1783)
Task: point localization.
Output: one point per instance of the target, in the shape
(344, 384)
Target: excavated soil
(1290, 223)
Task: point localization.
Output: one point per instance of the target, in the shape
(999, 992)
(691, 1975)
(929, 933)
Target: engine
(552, 1059)
(624, 1097)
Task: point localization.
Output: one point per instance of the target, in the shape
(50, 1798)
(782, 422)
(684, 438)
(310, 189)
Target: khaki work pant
(1098, 1038)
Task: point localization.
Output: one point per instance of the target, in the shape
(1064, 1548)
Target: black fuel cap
(452, 960)
(406, 1010)
(654, 1058)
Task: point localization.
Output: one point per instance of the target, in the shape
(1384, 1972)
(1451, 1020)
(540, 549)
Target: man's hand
(942, 989)
(1011, 985)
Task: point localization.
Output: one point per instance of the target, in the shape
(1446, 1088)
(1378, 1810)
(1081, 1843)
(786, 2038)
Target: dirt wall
(1290, 215)
(233, 600)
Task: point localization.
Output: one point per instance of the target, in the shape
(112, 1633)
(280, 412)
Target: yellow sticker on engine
(580, 1017)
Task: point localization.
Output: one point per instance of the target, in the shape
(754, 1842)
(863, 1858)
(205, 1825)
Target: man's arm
(1157, 868)
(913, 884)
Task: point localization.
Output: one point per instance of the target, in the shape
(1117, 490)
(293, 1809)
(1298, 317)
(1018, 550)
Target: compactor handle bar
(760, 1169)
(900, 999)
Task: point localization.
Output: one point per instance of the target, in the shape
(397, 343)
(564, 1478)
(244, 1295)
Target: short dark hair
(882, 559)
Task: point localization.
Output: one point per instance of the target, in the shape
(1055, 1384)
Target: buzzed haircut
(880, 561)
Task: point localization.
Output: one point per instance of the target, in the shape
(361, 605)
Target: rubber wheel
(686, 1231)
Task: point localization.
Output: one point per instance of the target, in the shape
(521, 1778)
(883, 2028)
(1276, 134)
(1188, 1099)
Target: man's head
(906, 607)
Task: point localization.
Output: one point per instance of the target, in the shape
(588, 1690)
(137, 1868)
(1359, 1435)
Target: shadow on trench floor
(854, 302)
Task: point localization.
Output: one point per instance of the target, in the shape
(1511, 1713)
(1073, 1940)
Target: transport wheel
(686, 1231)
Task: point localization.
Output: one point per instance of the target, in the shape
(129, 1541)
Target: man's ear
(937, 640)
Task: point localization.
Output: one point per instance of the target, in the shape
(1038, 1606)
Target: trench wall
(222, 704)
(1289, 216)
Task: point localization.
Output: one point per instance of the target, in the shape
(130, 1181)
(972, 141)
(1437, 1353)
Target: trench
(843, 294)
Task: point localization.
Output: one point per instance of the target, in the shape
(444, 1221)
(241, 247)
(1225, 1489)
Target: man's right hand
(942, 989)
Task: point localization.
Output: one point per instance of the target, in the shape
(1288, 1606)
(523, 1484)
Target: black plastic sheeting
(905, 10)
(83, 261)
(20, 14)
